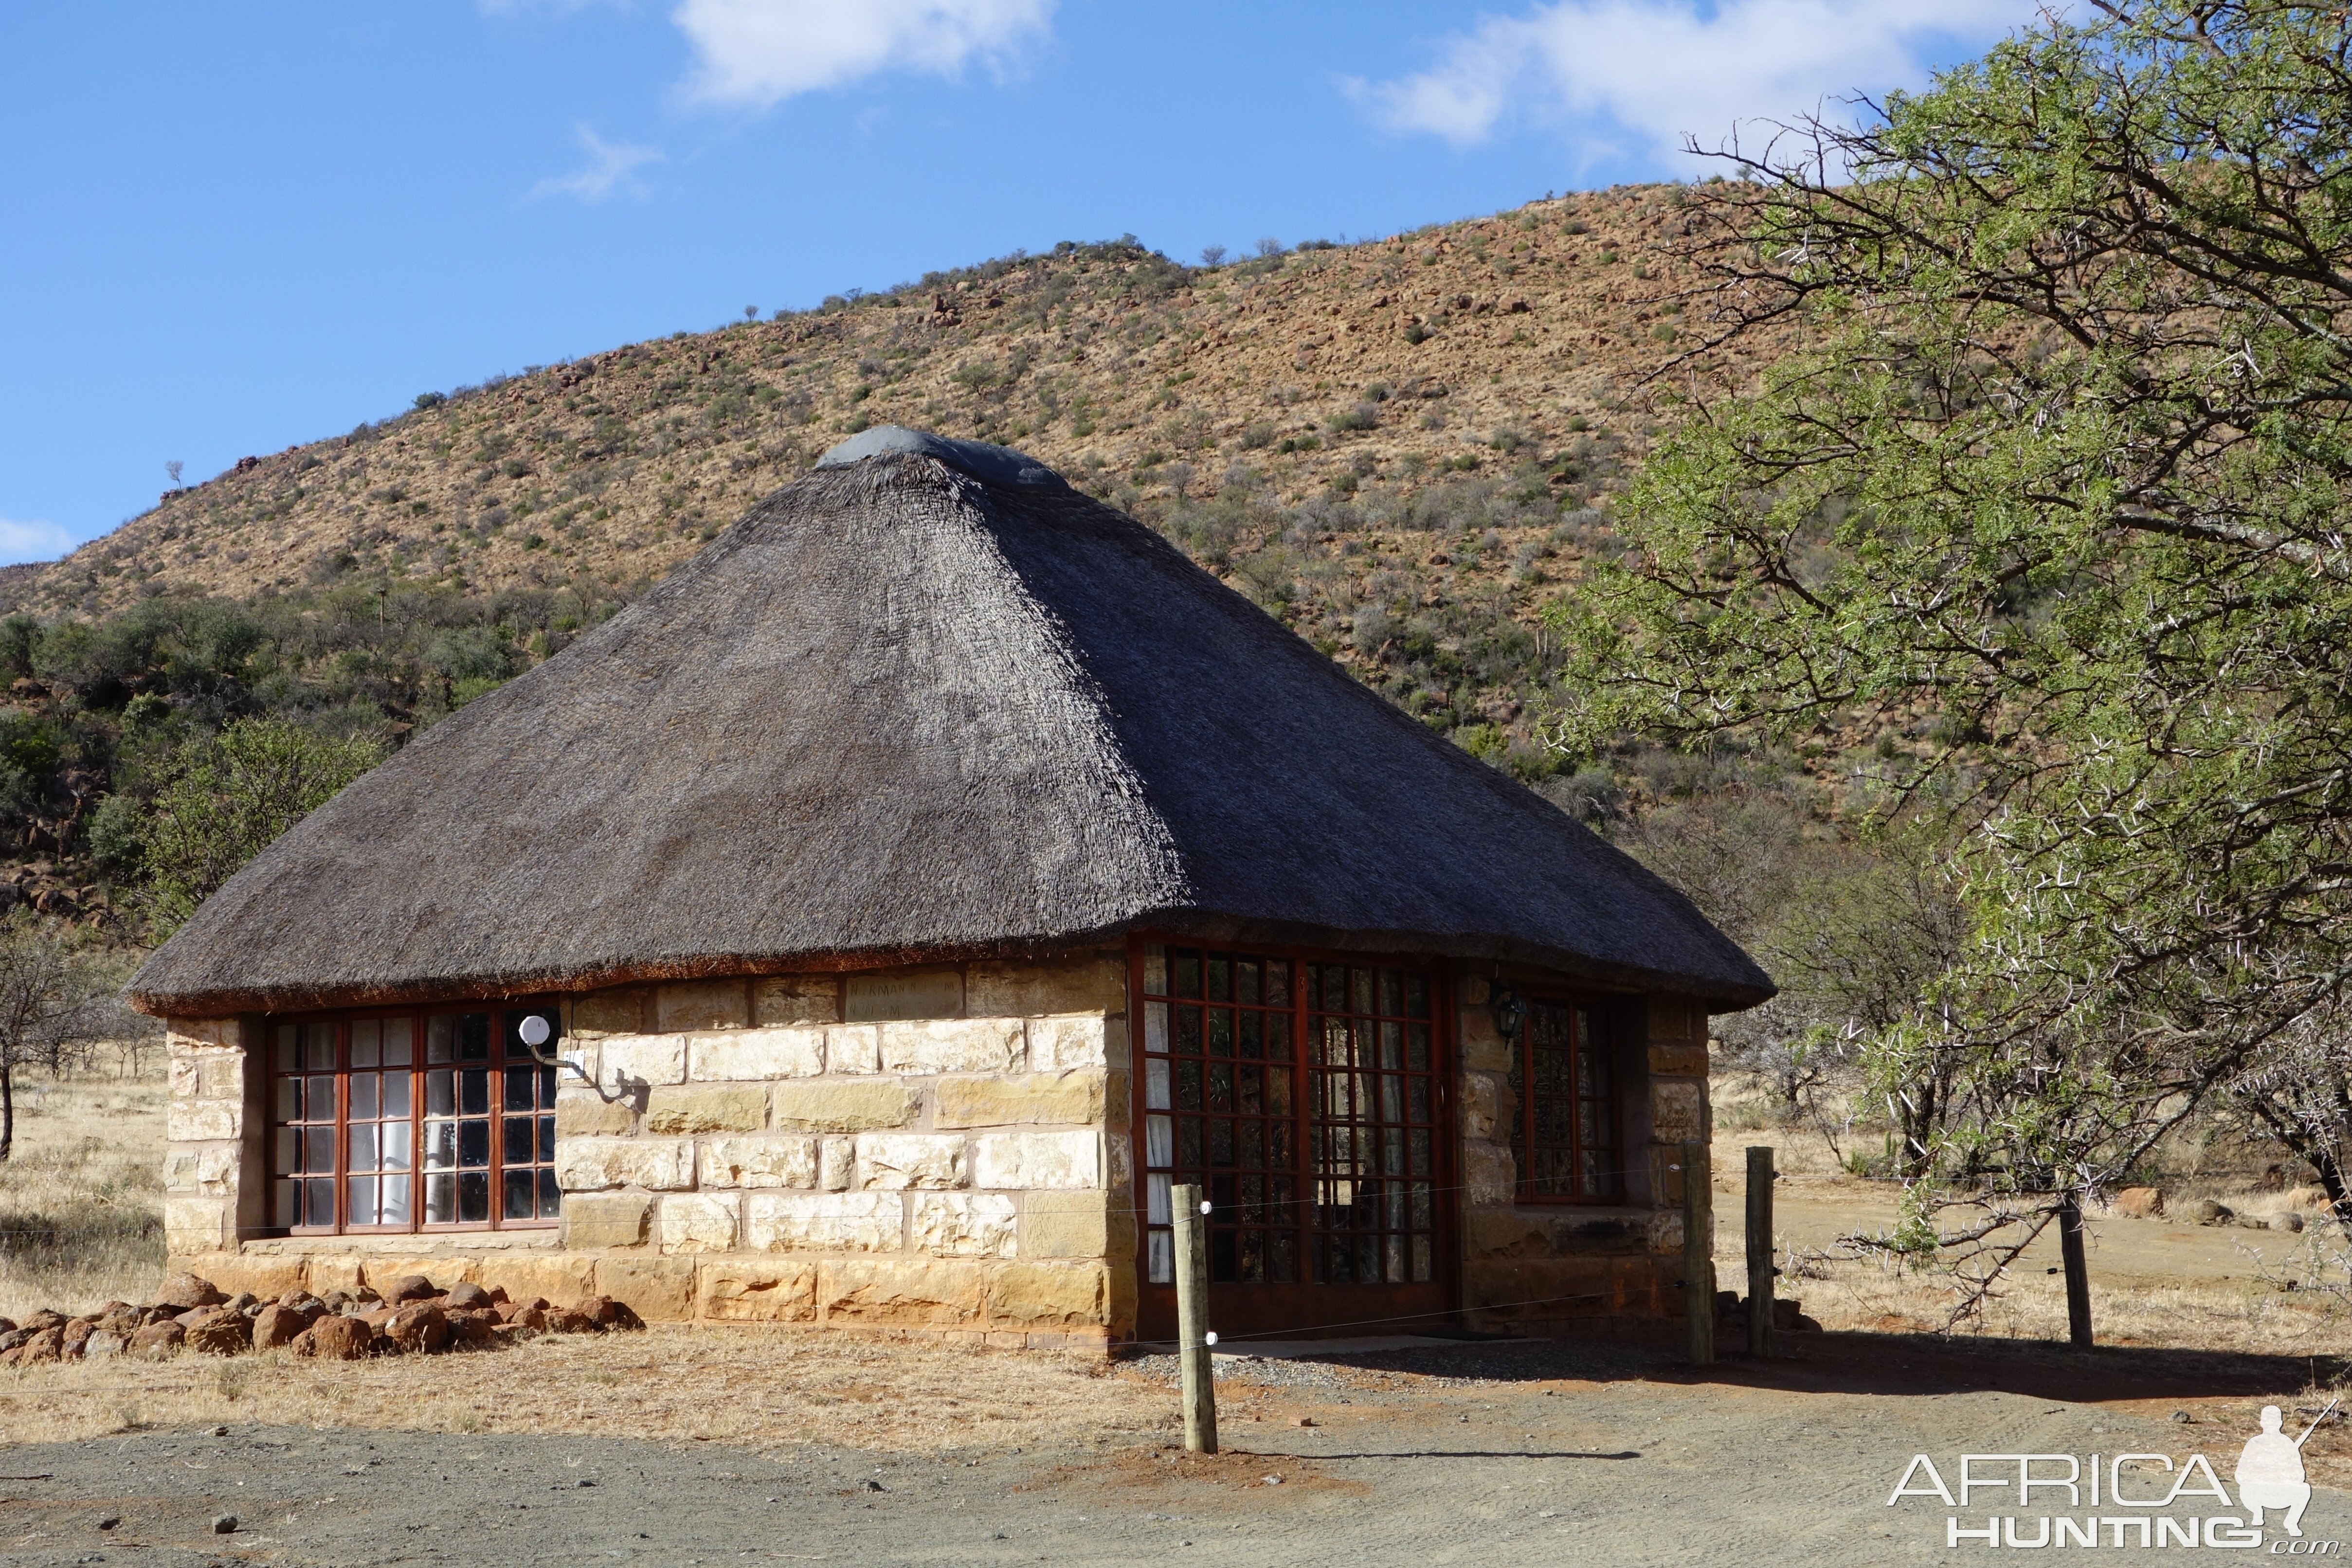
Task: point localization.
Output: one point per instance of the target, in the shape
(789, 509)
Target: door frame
(1305, 1310)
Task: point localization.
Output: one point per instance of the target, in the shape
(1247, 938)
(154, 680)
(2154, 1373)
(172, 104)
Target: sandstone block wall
(739, 1150)
(1578, 1267)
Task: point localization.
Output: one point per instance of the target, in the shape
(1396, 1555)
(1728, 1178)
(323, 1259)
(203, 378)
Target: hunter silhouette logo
(2129, 1499)
(2269, 1471)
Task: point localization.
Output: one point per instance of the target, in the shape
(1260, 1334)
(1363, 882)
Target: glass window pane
(551, 1196)
(1159, 1142)
(318, 1201)
(363, 1097)
(519, 1137)
(546, 1138)
(474, 1144)
(440, 1045)
(395, 1093)
(318, 1150)
(1188, 972)
(1221, 977)
(367, 1042)
(474, 1045)
(1163, 1259)
(473, 1196)
(1391, 992)
(394, 1145)
(285, 1159)
(398, 1036)
(474, 1091)
(440, 1148)
(289, 1100)
(289, 1055)
(440, 1093)
(1278, 982)
(1155, 1084)
(1246, 981)
(547, 1089)
(516, 1094)
(1221, 1032)
(394, 1191)
(359, 1200)
(318, 1047)
(1187, 1031)
(519, 1200)
(360, 1147)
(1416, 996)
(440, 1199)
(319, 1099)
(285, 1203)
(1155, 1026)
(1155, 970)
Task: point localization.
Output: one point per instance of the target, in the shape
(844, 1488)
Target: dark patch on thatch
(898, 712)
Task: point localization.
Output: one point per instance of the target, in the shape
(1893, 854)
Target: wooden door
(1307, 1095)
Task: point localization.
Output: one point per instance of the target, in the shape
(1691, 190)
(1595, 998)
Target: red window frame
(356, 1118)
(1562, 1120)
(1390, 1224)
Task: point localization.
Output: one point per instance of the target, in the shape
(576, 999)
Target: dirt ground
(1493, 1453)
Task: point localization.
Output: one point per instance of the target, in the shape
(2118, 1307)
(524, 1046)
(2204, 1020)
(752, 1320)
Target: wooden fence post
(1192, 1228)
(1759, 1250)
(1698, 1253)
(2078, 1270)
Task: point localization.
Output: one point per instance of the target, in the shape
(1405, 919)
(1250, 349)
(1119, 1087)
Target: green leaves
(2060, 479)
(229, 796)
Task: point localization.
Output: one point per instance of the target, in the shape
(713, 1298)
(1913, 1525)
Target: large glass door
(1305, 1094)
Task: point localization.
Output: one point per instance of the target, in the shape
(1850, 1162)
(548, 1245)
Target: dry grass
(2250, 1317)
(748, 1386)
(2160, 1283)
(82, 1198)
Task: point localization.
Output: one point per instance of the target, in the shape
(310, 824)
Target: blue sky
(228, 228)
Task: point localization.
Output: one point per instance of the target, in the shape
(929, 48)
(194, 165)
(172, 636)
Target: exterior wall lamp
(1510, 1012)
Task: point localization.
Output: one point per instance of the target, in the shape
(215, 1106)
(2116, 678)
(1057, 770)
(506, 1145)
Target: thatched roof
(924, 701)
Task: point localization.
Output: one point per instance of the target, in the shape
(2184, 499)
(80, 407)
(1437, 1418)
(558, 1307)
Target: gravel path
(1488, 1453)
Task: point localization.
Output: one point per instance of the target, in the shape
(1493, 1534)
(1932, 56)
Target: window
(1562, 1117)
(1302, 1096)
(408, 1121)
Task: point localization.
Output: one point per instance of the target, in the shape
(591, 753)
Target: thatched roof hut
(926, 701)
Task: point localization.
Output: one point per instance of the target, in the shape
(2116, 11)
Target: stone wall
(747, 1150)
(1616, 1263)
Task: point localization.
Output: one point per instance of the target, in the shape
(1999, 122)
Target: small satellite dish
(534, 1031)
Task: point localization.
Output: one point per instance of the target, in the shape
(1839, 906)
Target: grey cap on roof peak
(996, 464)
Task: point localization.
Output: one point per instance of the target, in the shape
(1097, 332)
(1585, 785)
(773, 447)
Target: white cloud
(611, 167)
(1658, 70)
(755, 54)
(33, 541)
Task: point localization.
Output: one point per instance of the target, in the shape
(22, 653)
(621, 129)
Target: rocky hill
(1399, 446)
